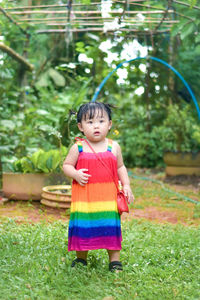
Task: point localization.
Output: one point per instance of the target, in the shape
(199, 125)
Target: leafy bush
(40, 162)
(144, 139)
(42, 121)
(180, 130)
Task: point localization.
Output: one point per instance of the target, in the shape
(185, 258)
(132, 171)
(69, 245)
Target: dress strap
(80, 146)
(109, 145)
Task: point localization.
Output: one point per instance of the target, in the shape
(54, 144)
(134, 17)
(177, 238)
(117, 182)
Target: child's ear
(80, 127)
(110, 125)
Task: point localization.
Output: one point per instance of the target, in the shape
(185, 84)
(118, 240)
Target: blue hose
(152, 58)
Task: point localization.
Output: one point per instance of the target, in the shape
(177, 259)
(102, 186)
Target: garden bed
(152, 202)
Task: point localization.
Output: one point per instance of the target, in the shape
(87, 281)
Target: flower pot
(28, 186)
(58, 196)
(182, 163)
(23, 186)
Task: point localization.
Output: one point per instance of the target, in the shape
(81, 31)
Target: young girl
(94, 219)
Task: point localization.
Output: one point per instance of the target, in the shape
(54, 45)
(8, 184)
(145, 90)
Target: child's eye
(89, 122)
(101, 121)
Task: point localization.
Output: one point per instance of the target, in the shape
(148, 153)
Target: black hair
(89, 110)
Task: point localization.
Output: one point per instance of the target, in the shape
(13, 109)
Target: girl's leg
(114, 255)
(81, 258)
(82, 254)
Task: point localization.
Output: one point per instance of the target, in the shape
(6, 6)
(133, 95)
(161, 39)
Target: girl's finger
(87, 175)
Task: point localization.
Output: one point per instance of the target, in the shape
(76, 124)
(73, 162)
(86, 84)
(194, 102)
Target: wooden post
(22, 72)
(171, 77)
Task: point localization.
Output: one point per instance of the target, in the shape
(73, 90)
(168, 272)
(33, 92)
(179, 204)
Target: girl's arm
(69, 167)
(123, 175)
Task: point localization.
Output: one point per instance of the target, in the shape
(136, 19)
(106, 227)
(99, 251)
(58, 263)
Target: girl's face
(96, 128)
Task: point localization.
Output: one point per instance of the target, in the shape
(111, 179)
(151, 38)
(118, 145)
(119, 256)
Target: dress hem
(86, 249)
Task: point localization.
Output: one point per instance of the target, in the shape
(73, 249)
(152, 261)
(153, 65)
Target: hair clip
(72, 112)
(110, 105)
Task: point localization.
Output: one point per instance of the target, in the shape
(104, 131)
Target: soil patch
(153, 214)
(23, 211)
(183, 180)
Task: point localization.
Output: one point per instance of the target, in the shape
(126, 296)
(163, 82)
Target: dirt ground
(32, 212)
(36, 212)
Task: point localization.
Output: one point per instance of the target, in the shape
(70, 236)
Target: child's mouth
(96, 133)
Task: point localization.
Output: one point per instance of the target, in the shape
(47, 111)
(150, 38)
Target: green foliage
(157, 261)
(181, 130)
(40, 162)
(34, 123)
(34, 108)
(146, 135)
(44, 80)
(141, 148)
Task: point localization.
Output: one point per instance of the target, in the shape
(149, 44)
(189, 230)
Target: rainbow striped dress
(94, 219)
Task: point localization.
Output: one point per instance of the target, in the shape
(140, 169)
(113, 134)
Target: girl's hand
(81, 177)
(128, 193)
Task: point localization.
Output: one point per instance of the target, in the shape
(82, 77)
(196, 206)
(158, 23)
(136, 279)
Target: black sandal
(79, 260)
(115, 266)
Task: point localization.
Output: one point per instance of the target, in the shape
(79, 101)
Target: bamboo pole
(94, 24)
(186, 4)
(74, 22)
(64, 18)
(51, 6)
(86, 12)
(100, 30)
(16, 56)
(77, 19)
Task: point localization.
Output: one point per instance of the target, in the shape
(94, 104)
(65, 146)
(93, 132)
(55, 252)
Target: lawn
(161, 259)
(160, 262)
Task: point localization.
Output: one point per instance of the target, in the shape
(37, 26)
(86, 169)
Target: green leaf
(43, 81)
(192, 2)
(8, 124)
(35, 157)
(18, 166)
(57, 78)
(187, 30)
(42, 112)
(197, 38)
(86, 2)
(197, 50)
(54, 158)
(80, 47)
(64, 151)
(41, 164)
(49, 163)
(4, 149)
(26, 165)
(177, 28)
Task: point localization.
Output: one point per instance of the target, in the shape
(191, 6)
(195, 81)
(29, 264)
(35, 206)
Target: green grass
(160, 262)
(150, 194)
